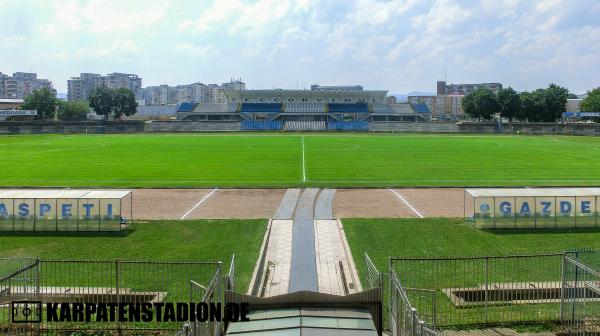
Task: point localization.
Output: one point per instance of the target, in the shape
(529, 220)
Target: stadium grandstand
(154, 112)
(318, 109)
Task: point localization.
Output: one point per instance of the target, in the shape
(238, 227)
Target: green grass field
(443, 237)
(152, 240)
(446, 237)
(270, 160)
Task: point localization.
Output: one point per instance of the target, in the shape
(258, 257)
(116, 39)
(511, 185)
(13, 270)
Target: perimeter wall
(59, 127)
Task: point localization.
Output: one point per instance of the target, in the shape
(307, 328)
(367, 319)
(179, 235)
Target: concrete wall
(192, 126)
(37, 127)
(419, 127)
(589, 129)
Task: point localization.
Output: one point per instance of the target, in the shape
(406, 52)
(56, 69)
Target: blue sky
(400, 46)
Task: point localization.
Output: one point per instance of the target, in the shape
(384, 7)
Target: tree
(468, 105)
(509, 103)
(125, 103)
(533, 105)
(73, 110)
(486, 103)
(572, 96)
(591, 103)
(43, 101)
(556, 101)
(481, 103)
(113, 103)
(101, 100)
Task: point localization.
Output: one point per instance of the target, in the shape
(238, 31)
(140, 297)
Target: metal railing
(581, 307)
(209, 294)
(19, 281)
(373, 278)
(104, 281)
(404, 319)
(230, 278)
(449, 292)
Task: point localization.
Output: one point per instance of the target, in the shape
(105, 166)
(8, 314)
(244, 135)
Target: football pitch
(297, 160)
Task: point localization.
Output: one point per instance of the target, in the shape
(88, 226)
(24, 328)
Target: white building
(80, 88)
(194, 93)
(442, 107)
(22, 84)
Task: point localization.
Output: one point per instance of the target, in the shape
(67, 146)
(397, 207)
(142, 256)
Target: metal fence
(373, 278)
(103, 281)
(404, 319)
(581, 285)
(230, 279)
(450, 292)
(209, 294)
(18, 281)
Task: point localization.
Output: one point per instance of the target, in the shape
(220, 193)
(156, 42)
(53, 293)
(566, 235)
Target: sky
(400, 46)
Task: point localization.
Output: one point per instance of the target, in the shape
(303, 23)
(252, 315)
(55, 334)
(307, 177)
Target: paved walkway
(303, 274)
(288, 204)
(324, 204)
(333, 264)
(307, 250)
(279, 255)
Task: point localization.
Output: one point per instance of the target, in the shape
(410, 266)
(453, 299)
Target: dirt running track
(262, 203)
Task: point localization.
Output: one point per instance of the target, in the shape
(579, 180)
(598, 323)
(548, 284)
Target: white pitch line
(199, 202)
(406, 202)
(303, 164)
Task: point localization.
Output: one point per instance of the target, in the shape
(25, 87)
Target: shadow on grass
(543, 231)
(87, 234)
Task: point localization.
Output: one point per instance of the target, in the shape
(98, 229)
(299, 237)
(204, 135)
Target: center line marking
(303, 164)
(406, 202)
(199, 202)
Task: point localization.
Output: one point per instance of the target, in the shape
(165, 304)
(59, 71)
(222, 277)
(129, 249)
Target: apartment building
(22, 84)
(80, 88)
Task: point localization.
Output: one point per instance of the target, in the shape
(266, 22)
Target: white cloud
(235, 16)
(197, 51)
(10, 41)
(120, 48)
(444, 15)
(100, 16)
(373, 12)
(275, 51)
(395, 44)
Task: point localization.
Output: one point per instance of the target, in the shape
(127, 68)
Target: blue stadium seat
(348, 125)
(261, 107)
(186, 107)
(349, 108)
(262, 125)
(304, 107)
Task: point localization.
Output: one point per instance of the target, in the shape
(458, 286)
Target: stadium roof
(532, 192)
(62, 193)
(306, 321)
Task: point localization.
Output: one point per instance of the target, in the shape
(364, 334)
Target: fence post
(434, 311)
(421, 328)
(413, 317)
(193, 322)
(117, 281)
(37, 291)
(220, 297)
(486, 289)
(562, 288)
